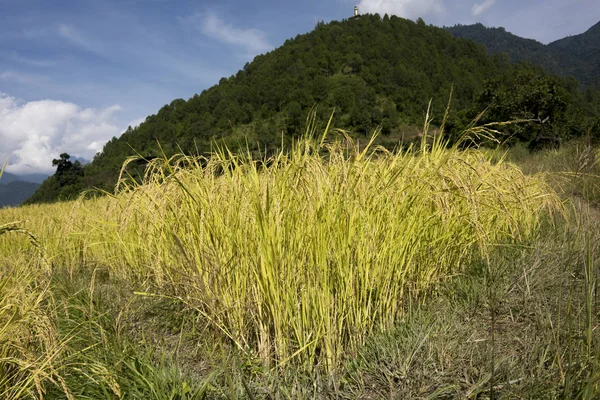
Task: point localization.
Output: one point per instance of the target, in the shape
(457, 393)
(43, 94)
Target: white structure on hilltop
(356, 11)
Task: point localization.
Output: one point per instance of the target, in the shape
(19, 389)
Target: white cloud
(481, 8)
(33, 133)
(402, 8)
(251, 40)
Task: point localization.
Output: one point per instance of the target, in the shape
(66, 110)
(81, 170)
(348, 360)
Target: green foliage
(65, 184)
(526, 93)
(583, 47)
(48, 191)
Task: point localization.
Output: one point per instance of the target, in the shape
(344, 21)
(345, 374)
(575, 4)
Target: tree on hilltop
(65, 184)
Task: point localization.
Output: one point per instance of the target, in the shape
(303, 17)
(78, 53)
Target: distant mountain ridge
(577, 56)
(15, 189)
(16, 192)
(7, 177)
(584, 47)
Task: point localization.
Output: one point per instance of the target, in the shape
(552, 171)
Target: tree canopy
(65, 184)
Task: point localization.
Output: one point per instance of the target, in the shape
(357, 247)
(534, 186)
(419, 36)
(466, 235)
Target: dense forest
(66, 183)
(577, 56)
(584, 47)
(373, 71)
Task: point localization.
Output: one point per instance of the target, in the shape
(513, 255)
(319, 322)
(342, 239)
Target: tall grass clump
(299, 257)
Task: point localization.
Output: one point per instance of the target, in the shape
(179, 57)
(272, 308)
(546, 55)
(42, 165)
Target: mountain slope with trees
(373, 71)
(15, 189)
(584, 47)
(572, 56)
(65, 184)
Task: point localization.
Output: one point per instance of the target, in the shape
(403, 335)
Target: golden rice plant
(28, 346)
(299, 257)
(303, 255)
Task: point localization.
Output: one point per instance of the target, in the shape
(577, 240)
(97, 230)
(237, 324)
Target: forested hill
(16, 192)
(584, 47)
(14, 189)
(577, 56)
(373, 71)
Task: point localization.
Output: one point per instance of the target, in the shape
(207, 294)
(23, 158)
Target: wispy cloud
(481, 8)
(38, 63)
(250, 39)
(22, 78)
(73, 36)
(402, 8)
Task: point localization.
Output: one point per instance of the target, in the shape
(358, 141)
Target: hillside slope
(566, 57)
(584, 47)
(372, 71)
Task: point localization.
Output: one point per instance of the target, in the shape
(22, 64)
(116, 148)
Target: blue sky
(73, 74)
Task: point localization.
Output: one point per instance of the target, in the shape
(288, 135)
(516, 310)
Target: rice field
(309, 261)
